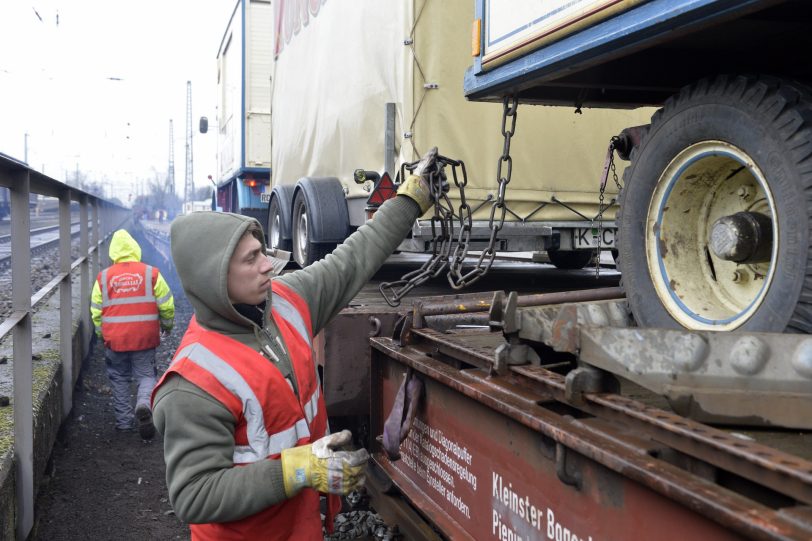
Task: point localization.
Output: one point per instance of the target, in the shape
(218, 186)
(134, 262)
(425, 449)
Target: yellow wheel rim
(703, 183)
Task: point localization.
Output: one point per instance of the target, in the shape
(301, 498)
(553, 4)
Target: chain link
(609, 166)
(443, 220)
(442, 230)
(456, 278)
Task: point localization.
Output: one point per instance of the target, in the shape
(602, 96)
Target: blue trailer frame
(638, 57)
(240, 190)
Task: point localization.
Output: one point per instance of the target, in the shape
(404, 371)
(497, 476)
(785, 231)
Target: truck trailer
(623, 413)
(350, 105)
(243, 126)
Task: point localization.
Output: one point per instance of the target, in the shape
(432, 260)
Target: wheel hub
(303, 234)
(744, 237)
(275, 231)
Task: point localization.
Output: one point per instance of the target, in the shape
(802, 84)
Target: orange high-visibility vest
(269, 416)
(129, 309)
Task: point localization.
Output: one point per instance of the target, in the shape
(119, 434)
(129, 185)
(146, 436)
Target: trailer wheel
(320, 219)
(715, 219)
(575, 259)
(279, 222)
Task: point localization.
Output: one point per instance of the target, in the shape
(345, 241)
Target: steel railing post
(23, 369)
(96, 240)
(84, 250)
(65, 303)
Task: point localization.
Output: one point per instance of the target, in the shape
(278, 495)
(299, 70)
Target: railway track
(43, 238)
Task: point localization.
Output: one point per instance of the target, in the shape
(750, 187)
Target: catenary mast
(189, 187)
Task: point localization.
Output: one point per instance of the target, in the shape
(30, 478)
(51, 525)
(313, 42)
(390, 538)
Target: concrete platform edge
(48, 410)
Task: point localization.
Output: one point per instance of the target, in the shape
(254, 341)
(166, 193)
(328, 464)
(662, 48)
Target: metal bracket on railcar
(507, 319)
(757, 379)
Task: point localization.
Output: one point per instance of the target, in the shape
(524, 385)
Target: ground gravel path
(103, 484)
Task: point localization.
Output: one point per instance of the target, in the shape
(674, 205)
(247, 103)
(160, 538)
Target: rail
(5, 239)
(98, 218)
(41, 240)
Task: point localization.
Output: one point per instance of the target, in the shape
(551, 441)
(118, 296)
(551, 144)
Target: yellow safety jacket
(131, 301)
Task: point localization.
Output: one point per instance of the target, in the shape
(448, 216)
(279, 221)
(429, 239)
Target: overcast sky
(94, 84)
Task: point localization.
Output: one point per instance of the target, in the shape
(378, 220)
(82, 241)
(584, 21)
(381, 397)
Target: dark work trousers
(122, 367)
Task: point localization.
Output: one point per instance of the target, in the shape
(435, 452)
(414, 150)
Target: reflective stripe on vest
(260, 443)
(289, 313)
(129, 319)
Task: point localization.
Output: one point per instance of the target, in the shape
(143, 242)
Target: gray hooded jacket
(204, 486)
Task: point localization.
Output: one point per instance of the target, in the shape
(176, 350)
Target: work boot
(143, 416)
(126, 428)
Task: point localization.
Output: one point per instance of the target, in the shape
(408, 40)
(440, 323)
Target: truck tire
(279, 211)
(717, 197)
(574, 259)
(320, 219)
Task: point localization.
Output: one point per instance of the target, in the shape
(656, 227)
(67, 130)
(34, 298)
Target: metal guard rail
(98, 219)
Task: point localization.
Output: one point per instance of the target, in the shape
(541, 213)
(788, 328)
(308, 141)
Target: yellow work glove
(324, 466)
(416, 185)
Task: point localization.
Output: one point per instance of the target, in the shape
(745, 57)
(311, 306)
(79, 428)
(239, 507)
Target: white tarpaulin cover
(339, 61)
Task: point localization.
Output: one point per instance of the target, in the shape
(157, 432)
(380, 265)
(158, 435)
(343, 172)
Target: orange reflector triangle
(384, 189)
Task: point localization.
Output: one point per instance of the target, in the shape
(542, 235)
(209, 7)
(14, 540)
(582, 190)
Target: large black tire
(726, 136)
(278, 227)
(320, 219)
(569, 260)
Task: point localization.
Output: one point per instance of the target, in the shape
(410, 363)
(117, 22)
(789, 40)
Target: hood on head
(202, 244)
(123, 247)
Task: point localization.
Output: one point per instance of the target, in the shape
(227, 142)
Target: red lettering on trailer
(290, 17)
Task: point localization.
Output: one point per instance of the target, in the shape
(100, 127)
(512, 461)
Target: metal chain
(441, 254)
(456, 278)
(442, 231)
(609, 166)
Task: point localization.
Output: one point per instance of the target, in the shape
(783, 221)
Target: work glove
(416, 186)
(324, 466)
(165, 333)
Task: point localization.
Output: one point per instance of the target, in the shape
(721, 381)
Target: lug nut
(744, 192)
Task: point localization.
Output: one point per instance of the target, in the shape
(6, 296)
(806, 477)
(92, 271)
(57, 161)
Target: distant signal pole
(170, 177)
(189, 188)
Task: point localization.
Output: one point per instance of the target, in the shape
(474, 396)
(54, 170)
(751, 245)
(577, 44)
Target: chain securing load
(456, 278)
(608, 167)
(442, 256)
(442, 229)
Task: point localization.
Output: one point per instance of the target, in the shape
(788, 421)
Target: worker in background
(131, 305)
(246, 441)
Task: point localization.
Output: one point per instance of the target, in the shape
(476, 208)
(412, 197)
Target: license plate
(265, 197)
(587, 237)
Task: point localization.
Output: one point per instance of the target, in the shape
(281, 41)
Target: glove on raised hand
(416, 185)
(324, 466)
